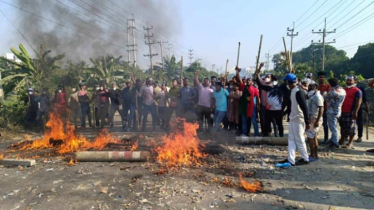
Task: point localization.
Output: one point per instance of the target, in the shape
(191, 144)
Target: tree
(280, 63)
(106, 68)
(30, 72)
(363, 61)
(335, 60)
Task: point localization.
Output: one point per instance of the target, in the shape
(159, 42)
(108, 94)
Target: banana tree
(29, 72)
(106, 68)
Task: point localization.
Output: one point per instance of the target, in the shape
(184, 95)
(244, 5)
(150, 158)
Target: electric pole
(190, 55)
(324, 32)
(162, 55)
(131, 47)
(267, 65)
(149, 43)
(170, 48)
(292, 35)
(128, 43)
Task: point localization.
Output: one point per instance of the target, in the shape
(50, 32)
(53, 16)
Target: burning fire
(181, 146)
(135, 146)
(250, 187)
(226, 181)
(68, 140)
(1, 156)
(72, 162)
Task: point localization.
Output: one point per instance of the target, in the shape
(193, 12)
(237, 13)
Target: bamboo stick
(237, 58)
(259, 53)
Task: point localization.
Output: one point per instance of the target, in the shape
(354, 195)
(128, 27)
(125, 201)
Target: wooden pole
(237, 58)
(259, 53)
(287, 56)
(226, 71)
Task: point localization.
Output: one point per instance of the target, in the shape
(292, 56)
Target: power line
(18, 30)
(41, 17)
(304, 38)
(313, 12)
(355, 25)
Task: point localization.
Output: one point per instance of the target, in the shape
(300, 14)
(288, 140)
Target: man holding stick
(204, 102)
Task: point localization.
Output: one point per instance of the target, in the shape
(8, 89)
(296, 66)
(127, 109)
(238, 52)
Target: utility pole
(131, 47)
(149, 43)
(324, 32)
(170, 48)
(267, 65)
(190, 55)
(128, 43)
(133, 38)
(292, 35)
(162, 55)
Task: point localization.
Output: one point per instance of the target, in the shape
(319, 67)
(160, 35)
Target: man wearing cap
(204, 102)
(74, 106)
(334, 100)
(32, 106)
(350, 107)
(309, 76)
(60, 101)
(43, 104)
(84, 101)
(299, 121)
(146, 92)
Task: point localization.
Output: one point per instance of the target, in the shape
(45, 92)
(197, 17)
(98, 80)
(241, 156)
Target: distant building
(11, 56)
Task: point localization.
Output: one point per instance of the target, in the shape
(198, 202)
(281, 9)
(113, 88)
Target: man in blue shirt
(219, 104)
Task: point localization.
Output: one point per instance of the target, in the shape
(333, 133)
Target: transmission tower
(131, 47)
(149, 43)
(190, 55)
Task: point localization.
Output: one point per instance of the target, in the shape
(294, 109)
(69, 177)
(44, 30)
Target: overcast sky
(213, 28)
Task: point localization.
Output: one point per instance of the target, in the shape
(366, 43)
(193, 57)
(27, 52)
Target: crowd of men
(263, 101)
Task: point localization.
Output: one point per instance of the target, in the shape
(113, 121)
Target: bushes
(12, 114)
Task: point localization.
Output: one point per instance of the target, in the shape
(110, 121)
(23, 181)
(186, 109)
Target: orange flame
(227, 182)
(1, 156)
(250, 187)
(181, 146)
(72, 162)
(71, 142)
(135, 146)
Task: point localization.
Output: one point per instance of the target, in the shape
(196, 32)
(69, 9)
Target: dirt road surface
(341, 179)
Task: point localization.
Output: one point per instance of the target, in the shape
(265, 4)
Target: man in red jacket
(350, 107)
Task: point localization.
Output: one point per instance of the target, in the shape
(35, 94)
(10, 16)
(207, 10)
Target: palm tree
(171, 68)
